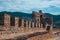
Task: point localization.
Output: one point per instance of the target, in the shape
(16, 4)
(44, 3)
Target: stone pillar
(29, 24)
(22, 26)
(39, 22)
(36, 24)
(16, 21)
(39, 25)
(6, 20)
(15, 29)
(32, 26)
(26, 25)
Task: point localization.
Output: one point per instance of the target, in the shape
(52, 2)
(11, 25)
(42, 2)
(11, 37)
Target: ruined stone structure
(6, 20)
(38, 22)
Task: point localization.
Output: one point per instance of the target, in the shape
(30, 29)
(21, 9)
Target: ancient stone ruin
(38, 22)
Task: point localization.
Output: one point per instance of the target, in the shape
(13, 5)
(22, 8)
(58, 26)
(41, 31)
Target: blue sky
(48, 6)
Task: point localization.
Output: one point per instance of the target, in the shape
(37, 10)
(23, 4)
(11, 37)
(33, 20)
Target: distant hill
(18, 14)
(56, 18)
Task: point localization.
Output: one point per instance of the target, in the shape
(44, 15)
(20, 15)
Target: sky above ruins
(48, 6)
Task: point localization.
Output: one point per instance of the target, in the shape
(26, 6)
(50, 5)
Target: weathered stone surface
(16, 22)
(29, 26)
(6, 20)
(22, 25)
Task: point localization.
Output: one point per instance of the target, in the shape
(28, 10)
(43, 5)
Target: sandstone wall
(6, 20)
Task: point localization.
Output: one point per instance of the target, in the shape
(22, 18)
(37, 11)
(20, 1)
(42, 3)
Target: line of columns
(28, 23)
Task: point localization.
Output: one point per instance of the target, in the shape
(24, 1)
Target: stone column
(22, 26)
(16, 24)
(6, 20)
(26, 25)
(39, 25)
(36, 24)
(29, 24)
(39, 22)
(32, 26)
(16, 21)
